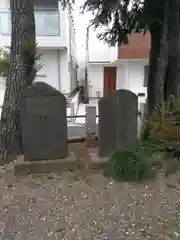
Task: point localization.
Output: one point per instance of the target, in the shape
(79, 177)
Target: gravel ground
(70, 206)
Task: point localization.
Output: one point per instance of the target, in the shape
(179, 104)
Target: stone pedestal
(22, 167)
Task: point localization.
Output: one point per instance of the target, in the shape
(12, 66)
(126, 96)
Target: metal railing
(139, 114)
(79, 116)
(47, 23)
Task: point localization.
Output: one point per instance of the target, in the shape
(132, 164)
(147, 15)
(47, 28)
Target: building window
(146, 70)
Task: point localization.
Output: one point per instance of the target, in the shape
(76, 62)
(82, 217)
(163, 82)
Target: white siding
(56, 70)
(121, 79)
(50, 68)
(95, 46)
(99, 51)
(95, 80)
(54, 49)
(64, 73)
(4, 4)
(130, 75)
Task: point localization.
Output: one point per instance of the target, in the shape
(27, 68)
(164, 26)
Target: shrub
(165, 129)
(129, 166)
(164, 136)
(5, 57)
(149, 150)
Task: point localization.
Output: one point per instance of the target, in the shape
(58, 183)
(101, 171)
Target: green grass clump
(150, 151)
(129, 166)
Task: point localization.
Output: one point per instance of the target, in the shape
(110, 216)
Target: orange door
(109, 80)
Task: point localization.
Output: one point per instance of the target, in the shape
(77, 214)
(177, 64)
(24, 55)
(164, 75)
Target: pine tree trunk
(152, 90)
(162, 67)
(173, 76)
(156, 31)
(20, 76)
(158, 66)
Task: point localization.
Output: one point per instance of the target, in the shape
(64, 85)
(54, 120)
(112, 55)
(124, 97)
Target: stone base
(44, 166)
(97, 162)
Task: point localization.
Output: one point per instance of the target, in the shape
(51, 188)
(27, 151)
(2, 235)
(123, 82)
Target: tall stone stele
(44, 124)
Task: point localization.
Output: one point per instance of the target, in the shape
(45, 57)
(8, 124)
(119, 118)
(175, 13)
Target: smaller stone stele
(44, 124)
(117, 122)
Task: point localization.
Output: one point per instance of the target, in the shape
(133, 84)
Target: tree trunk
(152, 98)
(152, 90)
(158, 65)
(20, 76)
(173, 76)
(162, 68)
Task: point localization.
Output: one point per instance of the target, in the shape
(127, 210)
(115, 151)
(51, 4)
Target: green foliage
(165, 128)
(4, 61)
(150, 150)
(67, 4)
(124, 17)
(130, 166)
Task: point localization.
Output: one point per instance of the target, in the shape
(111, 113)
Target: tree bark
(20, 76)
(152, 99)
(158, 65)
(162, 67)
(152, 86)
(173, 76)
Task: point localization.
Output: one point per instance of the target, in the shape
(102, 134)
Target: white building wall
(63, 23)
(55, 69)
(72, 33)
(55, 51)
(58, 40)
(4, 4)
(136, 77)
(64, 73)
(99, 51)
(71, 57)
(49, 73)
(72, 54)
(53, 72)
(103, 51)
(2, 88)
(95, 80)
(122, 76)
(130, 75)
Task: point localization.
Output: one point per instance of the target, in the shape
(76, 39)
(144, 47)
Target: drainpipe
(86, 97)
(59, 70)
(70, 50)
